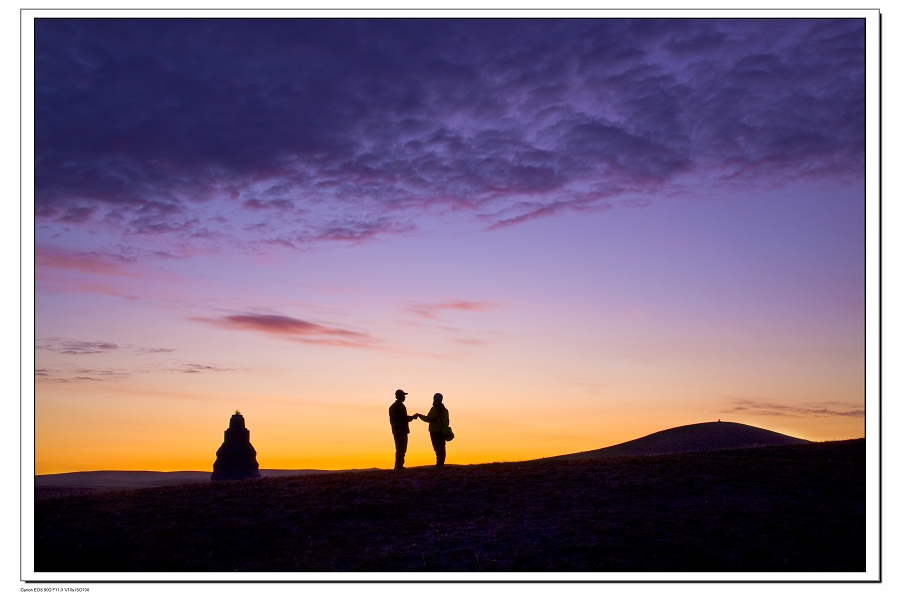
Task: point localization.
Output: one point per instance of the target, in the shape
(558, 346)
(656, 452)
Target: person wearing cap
(400, 427)
(438, 417)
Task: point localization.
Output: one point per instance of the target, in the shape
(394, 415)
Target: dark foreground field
(791, 508)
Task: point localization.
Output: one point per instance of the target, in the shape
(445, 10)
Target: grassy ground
(793, 508)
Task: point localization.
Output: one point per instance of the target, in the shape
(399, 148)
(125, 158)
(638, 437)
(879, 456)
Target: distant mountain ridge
(705, 436)
(119, 479)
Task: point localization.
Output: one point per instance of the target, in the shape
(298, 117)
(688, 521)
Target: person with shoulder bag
(438, 420)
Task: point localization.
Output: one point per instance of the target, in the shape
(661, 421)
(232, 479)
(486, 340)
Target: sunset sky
(579, 231)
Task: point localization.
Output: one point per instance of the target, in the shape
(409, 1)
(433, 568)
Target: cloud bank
(291, 132)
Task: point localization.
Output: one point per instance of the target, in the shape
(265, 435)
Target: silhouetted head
(438, 398)
(400, 394)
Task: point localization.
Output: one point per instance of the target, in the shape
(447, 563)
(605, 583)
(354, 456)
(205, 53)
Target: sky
(578, 231)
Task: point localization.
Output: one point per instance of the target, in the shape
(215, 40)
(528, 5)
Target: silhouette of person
(438, 417)
(400, 427)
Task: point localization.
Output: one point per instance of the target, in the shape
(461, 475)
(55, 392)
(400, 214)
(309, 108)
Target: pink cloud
(292, 328)
(58, 282)
(126, 273)
(50, 257)
(431, 310)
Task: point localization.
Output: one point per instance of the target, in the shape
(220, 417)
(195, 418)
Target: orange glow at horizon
(183, 432)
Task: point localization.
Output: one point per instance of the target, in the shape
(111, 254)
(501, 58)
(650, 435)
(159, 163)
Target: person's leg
(400, 443)
(442, 452)
(440, 447)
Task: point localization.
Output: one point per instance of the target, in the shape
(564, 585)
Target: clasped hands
(417, 416)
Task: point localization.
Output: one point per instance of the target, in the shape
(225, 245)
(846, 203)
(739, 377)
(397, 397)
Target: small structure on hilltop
(236, 458)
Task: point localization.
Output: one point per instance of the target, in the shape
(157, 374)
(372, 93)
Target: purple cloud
(72, 347)
(78, 375)
(343, 130)
(69, 374)
(199, 368)
(255, 204)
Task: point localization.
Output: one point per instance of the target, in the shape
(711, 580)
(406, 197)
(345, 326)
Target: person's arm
(411, 418)
(427, 418)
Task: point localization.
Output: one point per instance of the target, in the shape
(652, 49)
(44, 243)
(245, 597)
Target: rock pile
(236, 458)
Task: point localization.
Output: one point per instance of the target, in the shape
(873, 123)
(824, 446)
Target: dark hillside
(787, 508)
(693, 437)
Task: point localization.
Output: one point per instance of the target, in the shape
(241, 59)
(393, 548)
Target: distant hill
(133, 479)
(705, 436)
(120, 479)
(77, 483)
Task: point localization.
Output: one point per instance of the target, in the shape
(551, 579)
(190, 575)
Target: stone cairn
(236, 458)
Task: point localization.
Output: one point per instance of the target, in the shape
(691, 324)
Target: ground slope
(785, 508)
(705, 436)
